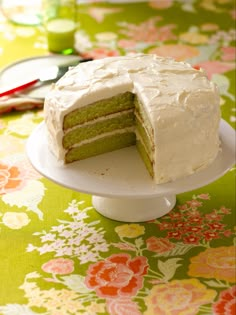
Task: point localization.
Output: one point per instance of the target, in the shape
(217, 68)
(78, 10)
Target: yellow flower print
(213, 5)
(11, 145)
(194, 38)
(209, 27)
(15, 220)
(178, 297)
(130, 230)
(23, 126)
(218, 263)
(95, 308)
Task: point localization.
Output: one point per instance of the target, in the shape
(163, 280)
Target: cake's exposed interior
(168, 109)
(111, 124)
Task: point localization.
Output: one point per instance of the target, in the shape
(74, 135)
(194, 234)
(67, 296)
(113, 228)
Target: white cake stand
(119, 182)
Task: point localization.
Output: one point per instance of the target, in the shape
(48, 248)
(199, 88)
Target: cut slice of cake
(169, 110)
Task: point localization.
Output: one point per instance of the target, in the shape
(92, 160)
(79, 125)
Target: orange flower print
(118, 276)
(159, 245)
(226, 303)
(218, 263)
(178, 297)
(59, 266)
(10, 178)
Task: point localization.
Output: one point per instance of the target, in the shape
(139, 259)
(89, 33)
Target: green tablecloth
(58, 256)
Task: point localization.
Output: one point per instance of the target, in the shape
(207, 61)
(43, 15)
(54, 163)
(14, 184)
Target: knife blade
(47, 75)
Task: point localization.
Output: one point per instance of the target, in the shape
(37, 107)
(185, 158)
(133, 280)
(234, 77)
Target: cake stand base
(134, 210)
(122, 188)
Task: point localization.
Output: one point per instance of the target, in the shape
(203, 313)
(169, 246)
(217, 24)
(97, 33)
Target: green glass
(60, 25)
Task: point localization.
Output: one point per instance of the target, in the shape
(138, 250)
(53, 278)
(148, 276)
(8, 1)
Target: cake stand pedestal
(118, 181)
(134, 210)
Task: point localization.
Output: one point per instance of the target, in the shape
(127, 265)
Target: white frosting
(181, 103)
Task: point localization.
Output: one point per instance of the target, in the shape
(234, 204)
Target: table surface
(58, 256)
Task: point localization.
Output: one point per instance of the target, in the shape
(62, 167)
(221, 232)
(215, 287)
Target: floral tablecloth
(58, 256)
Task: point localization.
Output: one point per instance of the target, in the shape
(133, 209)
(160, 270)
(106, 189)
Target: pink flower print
(227, 233)
(180, 225)
(99, 14)
(194, 203)
(226, 303)
(165, 33)
(195, 219)
(191, 239)
(98, 53)
(59, 266)
(194, 229)
(194, 213)
(183, 207)
(177, 51)
(148, 31)
(228, 53)
(126, 43)
(204, 196)
(159, 245)
(213, 216)
(233, 14)
(122, 306)
(216, 226)
(165, 226)
(210, 235)
(125, 246)
(160, 4)
(225, 210)
(215, 67)
(174, 234)
(175, 215)
(117, 276)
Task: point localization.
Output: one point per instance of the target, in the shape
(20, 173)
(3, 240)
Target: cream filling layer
(99, 119)
(104, 135)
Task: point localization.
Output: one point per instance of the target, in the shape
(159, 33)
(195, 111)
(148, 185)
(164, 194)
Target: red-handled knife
(19, 88)
(47, 75)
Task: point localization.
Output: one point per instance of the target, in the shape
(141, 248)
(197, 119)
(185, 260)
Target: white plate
(122, 174)
(27, 69)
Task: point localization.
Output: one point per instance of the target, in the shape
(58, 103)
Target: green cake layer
(145, 157)
(100, 108)
(88, 131)
(104, 126)
(141, 114)
(142, 133)
(102, 145)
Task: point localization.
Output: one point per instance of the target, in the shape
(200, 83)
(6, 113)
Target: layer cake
(168, 109)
